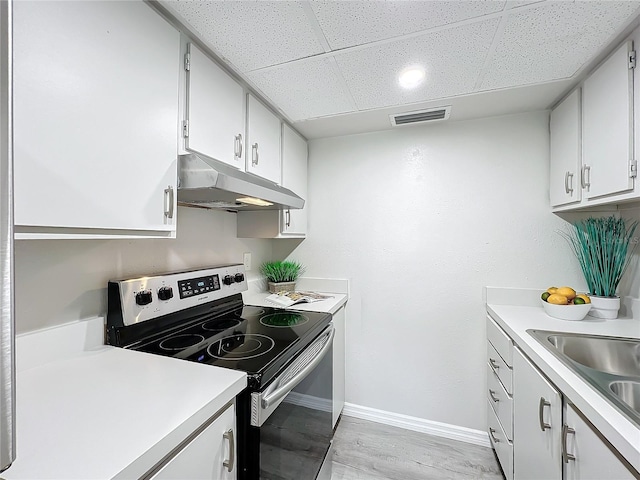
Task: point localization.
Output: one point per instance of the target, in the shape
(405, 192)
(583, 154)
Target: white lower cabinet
(537, 423)
(210, 455)
(587, 456)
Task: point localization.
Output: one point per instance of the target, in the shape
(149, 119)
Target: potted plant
(281, 275)
(604, 247)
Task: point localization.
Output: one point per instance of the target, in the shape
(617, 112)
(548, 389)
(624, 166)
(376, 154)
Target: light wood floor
(364, 450)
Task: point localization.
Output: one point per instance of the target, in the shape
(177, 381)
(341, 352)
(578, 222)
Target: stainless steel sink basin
(606, 354)
(610, 364)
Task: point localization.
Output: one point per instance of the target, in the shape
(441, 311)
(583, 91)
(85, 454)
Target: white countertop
(99, 412)
(330, 305)
(623, 434)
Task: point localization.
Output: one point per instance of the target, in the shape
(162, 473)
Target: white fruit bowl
(566, 312)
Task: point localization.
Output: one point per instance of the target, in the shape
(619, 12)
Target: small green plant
(281, 271)
(604, 248)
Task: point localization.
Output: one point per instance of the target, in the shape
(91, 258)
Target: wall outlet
(246, 259)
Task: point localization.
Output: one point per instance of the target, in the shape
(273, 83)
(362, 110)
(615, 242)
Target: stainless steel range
(284, 416)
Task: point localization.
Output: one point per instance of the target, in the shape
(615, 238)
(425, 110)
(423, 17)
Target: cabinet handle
(238, 149)
(583, 178)
(168, 202)
(494, 364)
(493, 437)
(566, 456)
(288, 218)
(568, 186)
(492, 395)
(228, 435)
(543, 403)
(254, 154)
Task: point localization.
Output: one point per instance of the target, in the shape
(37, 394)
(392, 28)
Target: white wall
(58, 281)
(420, 219)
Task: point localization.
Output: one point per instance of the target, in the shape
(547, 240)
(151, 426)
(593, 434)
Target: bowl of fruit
(564, 303)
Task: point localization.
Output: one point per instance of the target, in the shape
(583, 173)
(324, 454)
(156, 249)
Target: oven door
(294, 415)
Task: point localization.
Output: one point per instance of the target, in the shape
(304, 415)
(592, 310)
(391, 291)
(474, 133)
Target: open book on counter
(287, 299)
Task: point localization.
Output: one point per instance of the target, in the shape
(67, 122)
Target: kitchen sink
(609, 364)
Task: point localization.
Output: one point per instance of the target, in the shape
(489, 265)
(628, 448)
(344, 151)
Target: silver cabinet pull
(288, 218)
(228, 435)
(566, 456)
(568, 185)
(492, 395)
(238, 149)
(543, 403)
(494, 364)
(254, 154)
(493, 437)
(586, 169)
(168, 202)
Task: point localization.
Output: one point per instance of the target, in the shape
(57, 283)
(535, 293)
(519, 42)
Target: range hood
(207, 183)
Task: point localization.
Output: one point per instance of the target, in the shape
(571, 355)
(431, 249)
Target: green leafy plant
(281, 271)
(604, 248)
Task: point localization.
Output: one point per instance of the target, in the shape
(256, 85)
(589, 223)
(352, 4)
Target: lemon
(584, 297)
(568, 292)
(544, 296)
(552, 290)
(558, 299)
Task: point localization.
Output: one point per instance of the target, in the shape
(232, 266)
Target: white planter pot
(604, 307)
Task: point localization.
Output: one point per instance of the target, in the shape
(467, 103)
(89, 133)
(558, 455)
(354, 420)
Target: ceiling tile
(305, 89)
(453, 60)
(348, 23)
(251, 34)
(553, 41)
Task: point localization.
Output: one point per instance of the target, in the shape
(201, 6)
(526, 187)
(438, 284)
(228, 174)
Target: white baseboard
(453, 432)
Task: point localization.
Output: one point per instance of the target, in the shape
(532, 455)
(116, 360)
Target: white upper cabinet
(263, 141)
(607, 113)
(95, 119)
(294, 177)
(565, 153)
(214, 110)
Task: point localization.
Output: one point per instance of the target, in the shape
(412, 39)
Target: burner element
(220, 325)
(180, 342)
(288, 319)
(240, 347)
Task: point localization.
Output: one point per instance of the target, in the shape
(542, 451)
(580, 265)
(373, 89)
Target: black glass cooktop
(257, 340)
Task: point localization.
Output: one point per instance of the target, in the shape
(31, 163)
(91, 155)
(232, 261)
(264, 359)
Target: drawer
(500, 341)
(500, 443)
(501, 402)
(500, 367)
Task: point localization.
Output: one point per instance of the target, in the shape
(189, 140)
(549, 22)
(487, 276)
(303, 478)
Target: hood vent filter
(431, 115)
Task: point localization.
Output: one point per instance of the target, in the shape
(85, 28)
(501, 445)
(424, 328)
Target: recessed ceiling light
(411, 77)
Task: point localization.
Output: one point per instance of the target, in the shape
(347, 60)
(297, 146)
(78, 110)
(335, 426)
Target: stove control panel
(149, 297)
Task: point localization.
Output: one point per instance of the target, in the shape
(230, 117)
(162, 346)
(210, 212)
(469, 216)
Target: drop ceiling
(331, 67)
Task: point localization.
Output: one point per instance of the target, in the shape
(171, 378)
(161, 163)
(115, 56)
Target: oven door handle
(276, 391)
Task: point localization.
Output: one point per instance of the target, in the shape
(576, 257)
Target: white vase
(604, 307)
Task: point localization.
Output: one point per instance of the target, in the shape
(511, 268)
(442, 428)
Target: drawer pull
(543, 403)
(493, 437)
(566, 456)
(492, 395)
(494, 364)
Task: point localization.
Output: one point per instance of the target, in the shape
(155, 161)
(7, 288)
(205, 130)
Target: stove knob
(144, 297)
(239, 277)
(165, 293)
(227, 279)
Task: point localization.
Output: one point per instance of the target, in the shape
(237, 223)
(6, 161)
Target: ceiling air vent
(431, 115)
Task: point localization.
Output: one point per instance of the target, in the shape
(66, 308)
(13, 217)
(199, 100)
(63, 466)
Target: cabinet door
(537, 423)
(294, 177)
(214, 111)
(95, 112)
(565, 155)
(607, 116)
(204, 457)
(589, 457)
(339, 323)
(263, 141)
